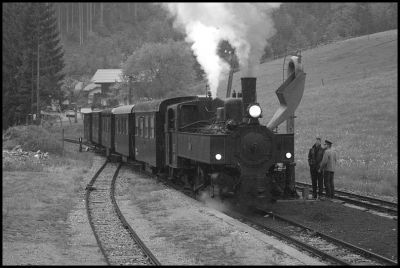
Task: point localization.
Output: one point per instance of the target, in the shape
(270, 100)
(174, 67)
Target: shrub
(32, 138)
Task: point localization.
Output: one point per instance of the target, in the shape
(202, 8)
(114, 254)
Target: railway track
(366, 202)
(320, 244)
(118, 242)
(344, 252)
(328, 248)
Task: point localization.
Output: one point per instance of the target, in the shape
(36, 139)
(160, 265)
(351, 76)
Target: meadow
(350, 98)
(39, 194)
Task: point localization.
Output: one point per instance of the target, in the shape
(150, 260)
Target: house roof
(107, 76)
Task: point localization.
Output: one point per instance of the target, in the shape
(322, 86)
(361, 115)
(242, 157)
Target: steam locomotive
(206, 144)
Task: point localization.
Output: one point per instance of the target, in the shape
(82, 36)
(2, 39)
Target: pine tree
(14, 91)
(42, 36)
(54, 54)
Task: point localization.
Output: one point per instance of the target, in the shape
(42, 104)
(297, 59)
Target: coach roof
(154, 105)
(106, 111)
(126, 109)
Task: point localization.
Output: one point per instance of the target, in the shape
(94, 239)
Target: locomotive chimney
(249, 94)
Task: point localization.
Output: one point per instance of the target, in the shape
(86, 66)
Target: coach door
(170, 129)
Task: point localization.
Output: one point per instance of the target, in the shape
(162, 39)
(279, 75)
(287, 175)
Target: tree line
(76, 39)
(301, 25)
(32, 60)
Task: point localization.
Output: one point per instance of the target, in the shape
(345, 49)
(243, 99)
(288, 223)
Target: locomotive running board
(289, 93)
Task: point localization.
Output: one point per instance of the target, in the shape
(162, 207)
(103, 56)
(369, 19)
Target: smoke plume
(246, 26)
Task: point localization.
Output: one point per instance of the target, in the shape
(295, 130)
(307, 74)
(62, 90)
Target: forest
(53, 46)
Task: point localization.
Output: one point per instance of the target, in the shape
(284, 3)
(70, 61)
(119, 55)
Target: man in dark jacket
(314, 159)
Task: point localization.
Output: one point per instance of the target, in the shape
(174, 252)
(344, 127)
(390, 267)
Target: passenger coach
(107, 130)
(96, 127)
(87, 125)
(123, 131)
(150, 119)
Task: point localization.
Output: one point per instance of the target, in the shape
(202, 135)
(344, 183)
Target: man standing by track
(328, 165)
(314, 159)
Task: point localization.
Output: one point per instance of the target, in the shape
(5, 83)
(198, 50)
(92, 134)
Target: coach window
(118, 125)
(136, 126)
(171, 119)
(123, 126)
(141, 127)
(146, 127)
(152, 127)
(126, 125)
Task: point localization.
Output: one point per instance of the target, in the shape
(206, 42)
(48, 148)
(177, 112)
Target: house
(92, 89)
(104, 78)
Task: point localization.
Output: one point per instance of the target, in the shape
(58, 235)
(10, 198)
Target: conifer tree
(42, 43)
(14, 92)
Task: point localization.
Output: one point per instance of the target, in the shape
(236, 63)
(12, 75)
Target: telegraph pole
(37, 85)
(130, 89)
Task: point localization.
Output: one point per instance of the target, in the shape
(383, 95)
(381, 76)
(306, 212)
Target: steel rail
(133, 234)
(391, 209)
(88, 189)
(292, 240)
(359, 250)
(278, 234)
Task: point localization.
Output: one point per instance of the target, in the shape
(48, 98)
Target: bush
(32, 138)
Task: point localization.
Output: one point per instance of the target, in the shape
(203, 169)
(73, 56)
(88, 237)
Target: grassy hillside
(356, 108)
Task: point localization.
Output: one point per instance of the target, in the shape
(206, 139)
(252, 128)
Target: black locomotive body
(218, 144)
(206, 143)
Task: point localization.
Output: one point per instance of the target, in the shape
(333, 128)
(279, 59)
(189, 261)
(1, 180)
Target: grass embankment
(350, 98)
(39, 194)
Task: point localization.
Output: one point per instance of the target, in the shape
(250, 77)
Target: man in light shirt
(328, 165)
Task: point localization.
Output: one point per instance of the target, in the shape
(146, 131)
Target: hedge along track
(118, 242)
(369, 203)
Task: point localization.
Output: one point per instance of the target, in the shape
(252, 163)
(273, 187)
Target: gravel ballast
(180, 230)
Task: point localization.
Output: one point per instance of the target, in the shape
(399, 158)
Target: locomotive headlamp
(218, 156)
(255, 110)
(288, 155)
